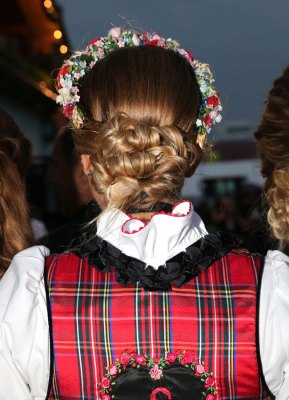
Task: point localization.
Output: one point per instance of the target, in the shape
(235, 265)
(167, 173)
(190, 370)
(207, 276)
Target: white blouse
(24, 330)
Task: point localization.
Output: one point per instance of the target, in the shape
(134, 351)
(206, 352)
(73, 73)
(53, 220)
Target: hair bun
(133, 148)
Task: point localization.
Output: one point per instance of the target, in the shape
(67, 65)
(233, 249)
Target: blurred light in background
(47, 3)
(63, 49)
(57, 34)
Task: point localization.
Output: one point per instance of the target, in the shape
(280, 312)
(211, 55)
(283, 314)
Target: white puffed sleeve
(274, 323)
(24, 329)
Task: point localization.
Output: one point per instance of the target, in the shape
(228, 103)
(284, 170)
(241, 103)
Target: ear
(86, 163)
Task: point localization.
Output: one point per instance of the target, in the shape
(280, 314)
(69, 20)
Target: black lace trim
(177, 270)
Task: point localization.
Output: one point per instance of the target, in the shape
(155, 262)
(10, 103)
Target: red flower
(140, 359)
(105, 383)
(209, 381)
(68, 110)
(210, 397)
(113, 369)
(190, 54)
(199, 369)
(124, 358)
(93, 41)
(171, 357)
(208, 121)
(62, 72)
(213, 101)
(187, 359)
(152, 43)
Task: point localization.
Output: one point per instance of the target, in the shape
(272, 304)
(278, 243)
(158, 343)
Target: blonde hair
(142, 104)
(15, 229)
(272, 135)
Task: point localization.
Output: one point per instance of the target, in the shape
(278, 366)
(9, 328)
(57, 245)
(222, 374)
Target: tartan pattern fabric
(95, 319)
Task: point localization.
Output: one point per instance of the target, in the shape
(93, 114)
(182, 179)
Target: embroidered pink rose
(124, 358)
(105, 383)
(140, 359)
(113, 369)
(171, 357)
(199, 369)
(105, 397)
(156, 372)
(210, 397)
(187, 359)
(209, 381)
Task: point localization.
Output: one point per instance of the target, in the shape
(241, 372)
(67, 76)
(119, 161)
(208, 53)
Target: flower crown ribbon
(74, 68)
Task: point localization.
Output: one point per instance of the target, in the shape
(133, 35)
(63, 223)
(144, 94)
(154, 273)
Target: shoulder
(27, 262)
(277, 259)
(22, 284)
(276, 270)
(274, 321)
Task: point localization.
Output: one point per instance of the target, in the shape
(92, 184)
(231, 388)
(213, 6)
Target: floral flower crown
(73, 69)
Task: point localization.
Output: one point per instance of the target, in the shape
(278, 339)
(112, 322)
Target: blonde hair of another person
(15, 155)
(139, 136)
(272, 137)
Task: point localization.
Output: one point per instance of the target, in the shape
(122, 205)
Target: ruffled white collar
(157, 240)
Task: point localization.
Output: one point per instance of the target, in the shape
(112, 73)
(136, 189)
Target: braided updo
(272, 135)
(141, 105)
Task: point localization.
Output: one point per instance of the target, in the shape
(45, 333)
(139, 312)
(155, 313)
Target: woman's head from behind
(15, 156)
(272, 135)
(141, 105)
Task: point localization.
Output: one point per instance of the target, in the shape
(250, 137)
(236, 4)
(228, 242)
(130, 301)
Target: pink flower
(74, 89)
(199, 369)
(99, 43)
(140, 359)
(113, 369)
(171, 357)
(209, 381)
(105, 397)
(100, 52)
(187, 359)
(124, 358)
(156, 372)
(121, 43)
(105, 383)
(115, 32)
(210, 397)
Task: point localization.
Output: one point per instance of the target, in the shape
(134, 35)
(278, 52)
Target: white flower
(218, 118)
(135, 40)
(65, 82)
(64, 96)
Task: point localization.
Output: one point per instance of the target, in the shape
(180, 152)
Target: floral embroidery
(157, 369)
(156, 372)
